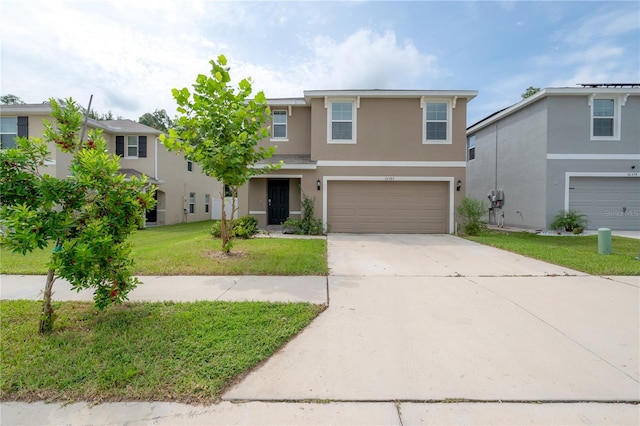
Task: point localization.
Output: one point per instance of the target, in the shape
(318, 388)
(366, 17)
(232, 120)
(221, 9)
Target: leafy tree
(88, 215)
(159, 120)
(10, 99)
(530, 92)
(219, 128)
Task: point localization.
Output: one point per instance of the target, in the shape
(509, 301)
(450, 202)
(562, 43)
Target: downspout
(155, 159)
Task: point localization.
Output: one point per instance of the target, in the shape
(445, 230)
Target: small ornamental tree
(88, 215)
(219, 128)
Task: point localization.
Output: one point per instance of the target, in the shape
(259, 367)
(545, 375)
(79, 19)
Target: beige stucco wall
(298, 140)
(389, 130)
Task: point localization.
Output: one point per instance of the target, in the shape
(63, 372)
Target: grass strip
(576, 252)
(187, 352)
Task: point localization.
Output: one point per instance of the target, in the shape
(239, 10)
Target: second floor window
(189, 165)
(279, 128)
(8, 131)
(132, 146)
(436, 120)
(603, 118)
(342, 122)
(471, 147)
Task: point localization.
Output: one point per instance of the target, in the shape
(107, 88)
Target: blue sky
(130, 54)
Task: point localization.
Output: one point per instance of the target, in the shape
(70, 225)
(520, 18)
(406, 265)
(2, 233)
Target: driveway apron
(436, 318)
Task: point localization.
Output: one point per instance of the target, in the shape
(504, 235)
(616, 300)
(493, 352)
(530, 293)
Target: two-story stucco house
(184, 194)
(375, 161)
(558, 150)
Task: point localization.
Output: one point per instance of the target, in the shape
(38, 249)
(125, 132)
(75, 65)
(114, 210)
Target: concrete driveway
(434, 318)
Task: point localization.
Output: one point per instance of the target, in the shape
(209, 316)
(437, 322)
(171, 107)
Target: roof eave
(374, 93)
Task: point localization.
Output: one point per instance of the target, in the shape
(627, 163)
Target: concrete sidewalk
(320, 413)
(311, 289)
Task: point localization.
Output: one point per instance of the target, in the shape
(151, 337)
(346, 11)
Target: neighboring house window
(189, 165)
(437, 115)
(12, 127)
(132, 146)
(136, 146)
(605, 122)
(207, 200)
(8, 131)
(342, 121)
(471, 147)
(192, 202)
(279, 129)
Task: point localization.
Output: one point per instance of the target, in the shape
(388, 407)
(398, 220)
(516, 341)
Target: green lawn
(187, 352)
(188, 249)
(575, 252)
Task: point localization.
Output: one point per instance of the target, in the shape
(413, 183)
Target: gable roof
(552, 91)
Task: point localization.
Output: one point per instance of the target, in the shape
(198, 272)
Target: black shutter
(120, 146)
(23, 127)
(142, 146)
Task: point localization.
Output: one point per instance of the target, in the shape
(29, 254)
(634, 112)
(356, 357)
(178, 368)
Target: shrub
(472, 211)
(243, 227)
(307, 224)
(570, 220)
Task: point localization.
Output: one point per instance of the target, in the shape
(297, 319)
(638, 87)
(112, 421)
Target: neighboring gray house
(561, 149)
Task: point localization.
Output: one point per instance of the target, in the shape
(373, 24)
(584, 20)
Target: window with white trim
(189, 165)
(132, 146)
(192, 202)
(437, 114)
(207, 201)
(341, 120)
(279, 127)
(605, 120)
(8, 132)
(471, 147)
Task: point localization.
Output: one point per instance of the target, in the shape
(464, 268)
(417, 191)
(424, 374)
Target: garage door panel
(612, 202)
(388, 207)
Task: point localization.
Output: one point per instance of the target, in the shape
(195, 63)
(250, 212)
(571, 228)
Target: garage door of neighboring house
(397, 207)
(609, 202)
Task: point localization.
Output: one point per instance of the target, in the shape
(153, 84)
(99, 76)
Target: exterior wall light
(458, 185)
(318, 184)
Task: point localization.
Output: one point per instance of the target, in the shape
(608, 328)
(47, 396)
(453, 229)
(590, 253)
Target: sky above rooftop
(130, 54)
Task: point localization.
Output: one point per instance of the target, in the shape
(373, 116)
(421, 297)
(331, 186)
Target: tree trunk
(47, 316)
(225, 233)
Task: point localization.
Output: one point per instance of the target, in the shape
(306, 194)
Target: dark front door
(152, 215)
(278, 201)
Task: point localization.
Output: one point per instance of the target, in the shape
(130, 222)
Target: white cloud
(363, 60)
(367, 60)
(601, 26)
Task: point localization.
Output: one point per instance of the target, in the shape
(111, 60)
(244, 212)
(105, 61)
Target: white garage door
(611, 202)
(388, 207)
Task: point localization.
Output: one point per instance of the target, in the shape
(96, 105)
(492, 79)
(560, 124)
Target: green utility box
(604, 241)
